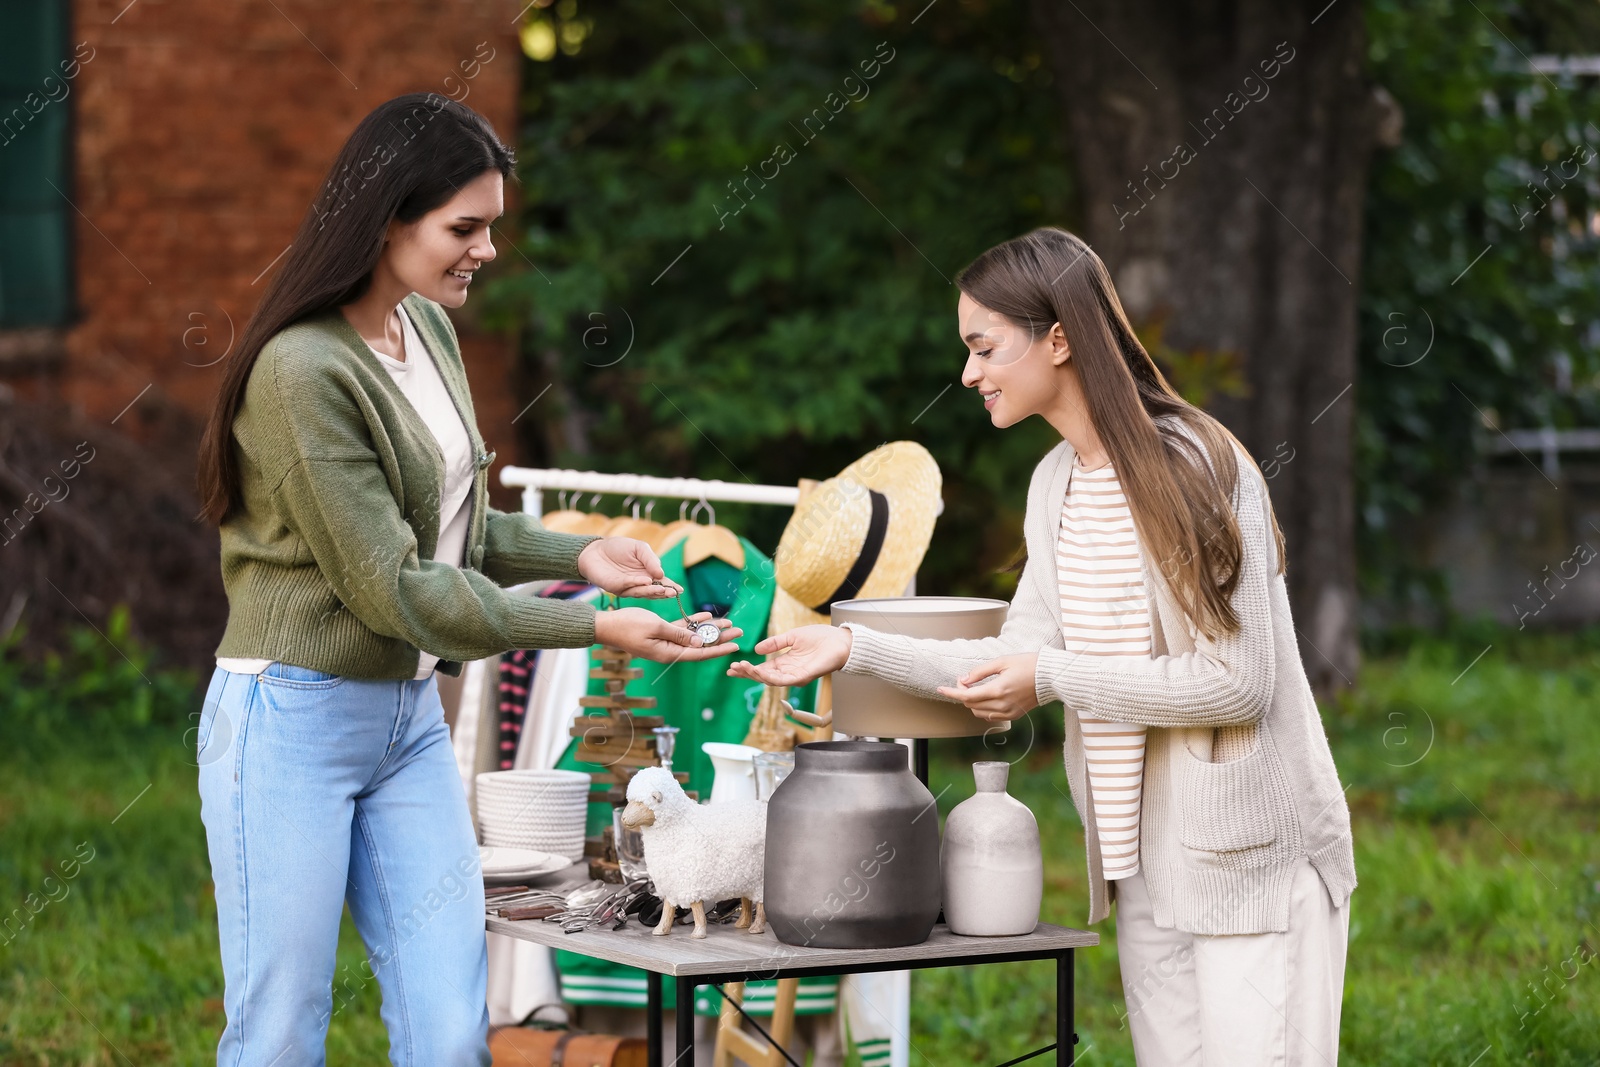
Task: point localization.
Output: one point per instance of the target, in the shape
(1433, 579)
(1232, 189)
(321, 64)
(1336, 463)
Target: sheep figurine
(698, 854)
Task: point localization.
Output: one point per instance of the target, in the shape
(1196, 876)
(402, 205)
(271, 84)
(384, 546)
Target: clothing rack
(535, 480)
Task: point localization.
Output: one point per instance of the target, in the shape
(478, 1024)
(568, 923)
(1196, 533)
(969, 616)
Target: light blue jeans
(318, 790)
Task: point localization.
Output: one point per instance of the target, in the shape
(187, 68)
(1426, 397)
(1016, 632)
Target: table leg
(685, 1027)
(1066, 1040)
(652, 985)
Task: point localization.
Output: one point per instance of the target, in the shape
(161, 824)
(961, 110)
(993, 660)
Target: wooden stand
(774, 730)
(620, 741)
(734, 1044)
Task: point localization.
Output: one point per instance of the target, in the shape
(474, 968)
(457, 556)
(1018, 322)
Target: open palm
(646, 634)
(808, 652)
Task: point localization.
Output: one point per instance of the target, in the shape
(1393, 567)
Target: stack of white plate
(502, 865)
(542, 810)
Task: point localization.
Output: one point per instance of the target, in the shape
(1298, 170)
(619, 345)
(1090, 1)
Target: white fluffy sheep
(698, 854)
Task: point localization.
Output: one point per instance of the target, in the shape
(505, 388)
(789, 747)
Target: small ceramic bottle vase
(990, 862)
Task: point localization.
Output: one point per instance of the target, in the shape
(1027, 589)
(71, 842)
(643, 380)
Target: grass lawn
(1474, 785)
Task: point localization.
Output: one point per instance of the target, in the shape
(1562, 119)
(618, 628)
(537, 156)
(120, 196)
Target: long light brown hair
(1180, 502)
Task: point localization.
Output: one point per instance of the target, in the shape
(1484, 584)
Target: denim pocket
(213, 732)
(279, 673)
(208, 717)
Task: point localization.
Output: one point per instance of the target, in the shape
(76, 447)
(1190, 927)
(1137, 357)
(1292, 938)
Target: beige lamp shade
(864, 706)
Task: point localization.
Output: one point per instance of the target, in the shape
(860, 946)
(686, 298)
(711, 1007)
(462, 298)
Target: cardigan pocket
(1227, 814)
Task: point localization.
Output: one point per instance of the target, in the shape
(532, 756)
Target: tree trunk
(1223, 151)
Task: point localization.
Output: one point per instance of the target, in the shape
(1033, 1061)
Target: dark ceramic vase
(852, 857)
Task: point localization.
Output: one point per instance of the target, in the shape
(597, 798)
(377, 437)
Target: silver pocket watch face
(709, 632)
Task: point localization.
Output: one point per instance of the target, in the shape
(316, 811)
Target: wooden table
(727, 955)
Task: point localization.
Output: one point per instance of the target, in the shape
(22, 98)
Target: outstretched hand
(808, 652)
(644, 633)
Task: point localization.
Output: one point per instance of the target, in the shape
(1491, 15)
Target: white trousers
(1235, 1000)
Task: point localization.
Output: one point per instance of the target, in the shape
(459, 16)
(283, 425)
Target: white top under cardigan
(418, 378)
(1220, 841)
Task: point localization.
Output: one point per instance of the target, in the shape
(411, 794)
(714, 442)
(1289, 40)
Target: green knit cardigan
(328, 562)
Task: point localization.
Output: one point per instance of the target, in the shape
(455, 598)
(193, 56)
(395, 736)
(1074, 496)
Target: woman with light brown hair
(1153, 607)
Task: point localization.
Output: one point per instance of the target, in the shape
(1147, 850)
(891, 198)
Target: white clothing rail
(535, 480)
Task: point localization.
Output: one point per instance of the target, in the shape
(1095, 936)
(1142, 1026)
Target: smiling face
(437, 254)
(1015, 375)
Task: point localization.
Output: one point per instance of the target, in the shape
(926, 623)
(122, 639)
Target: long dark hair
(1180, 508)
(406, 158)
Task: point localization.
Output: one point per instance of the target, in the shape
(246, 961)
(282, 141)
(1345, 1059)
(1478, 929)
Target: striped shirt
(1104, 613)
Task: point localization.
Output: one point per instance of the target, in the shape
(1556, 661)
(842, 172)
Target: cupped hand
(625, 566)
(1000, 690)
(646, 634)
(808, 652)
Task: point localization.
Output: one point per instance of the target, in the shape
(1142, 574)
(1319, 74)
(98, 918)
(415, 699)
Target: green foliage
(730, 292)
(1475, 247)
(102, 685)
(808, 316)
(776, 262)
(1199, 375)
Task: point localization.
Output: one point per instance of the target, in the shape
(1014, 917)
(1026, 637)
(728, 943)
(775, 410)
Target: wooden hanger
(713, 541)
(676, 530)
(710, 540)
(644, 529)
(564, 519)
(593, 522)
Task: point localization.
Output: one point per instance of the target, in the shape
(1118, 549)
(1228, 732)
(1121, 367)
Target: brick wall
(202, 131)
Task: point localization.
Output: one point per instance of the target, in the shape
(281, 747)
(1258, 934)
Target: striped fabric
(1104, 613)
(875, 1052)
(816, 996)
(516, 675)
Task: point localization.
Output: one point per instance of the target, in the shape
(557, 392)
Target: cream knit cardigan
(1240, 784)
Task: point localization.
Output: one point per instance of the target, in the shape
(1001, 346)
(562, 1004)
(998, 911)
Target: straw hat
(860, 534)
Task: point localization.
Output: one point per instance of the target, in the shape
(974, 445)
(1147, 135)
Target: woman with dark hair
(1153, 606)
(345, 470)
